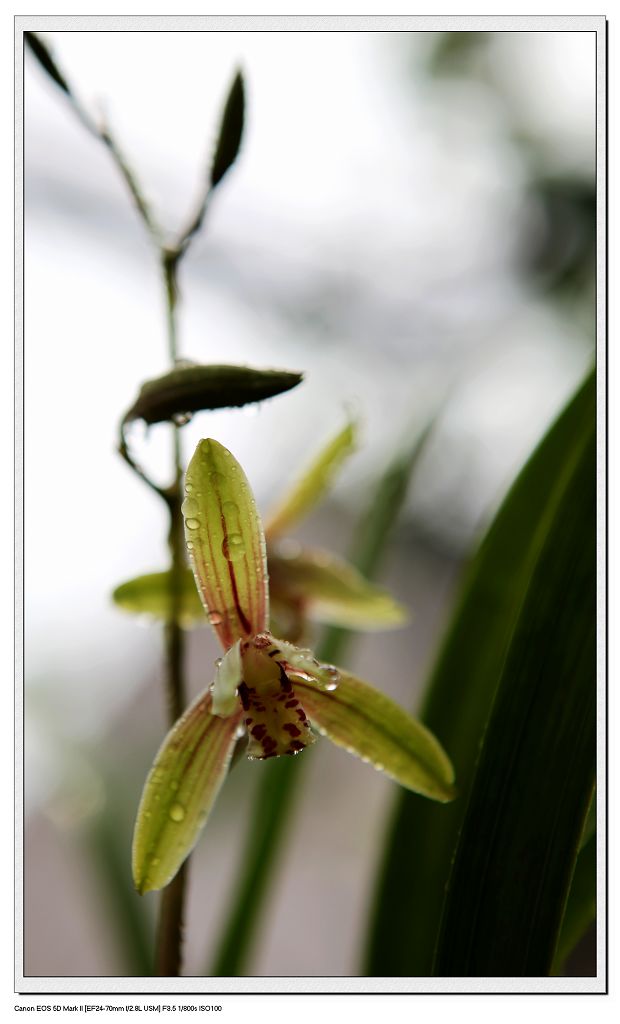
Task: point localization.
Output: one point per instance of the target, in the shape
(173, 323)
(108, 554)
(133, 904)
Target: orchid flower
(263, 687)
(305, 583)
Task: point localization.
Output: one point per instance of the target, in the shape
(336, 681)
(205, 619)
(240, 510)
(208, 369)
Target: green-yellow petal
(228, 677)
(152, 595)
(372, 726)
(226, 544)
(180, 791)
(313, 484)
(331, 590)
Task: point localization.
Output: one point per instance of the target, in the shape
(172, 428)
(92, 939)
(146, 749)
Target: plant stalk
(168, 955)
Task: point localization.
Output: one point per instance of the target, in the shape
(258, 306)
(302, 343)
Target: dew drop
(217, 480)
(192, 524)
(233, 547)
(176, 812)
(190, 545)
(215, 618)
(180, 419)
(332, 676)
(190, 507)
(155, 862)
(189, 487)
(218, 662)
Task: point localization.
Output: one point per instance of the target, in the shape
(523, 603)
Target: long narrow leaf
(581, 906)
(533, 785)
(313, 484)
(461, 690)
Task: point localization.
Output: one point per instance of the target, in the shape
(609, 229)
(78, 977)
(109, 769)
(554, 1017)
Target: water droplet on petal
(192, 524)
(190, 507)
(233, 547)
(190, 545)
(230, 509)
(215, 618)
(189, 487)
(331, 676)
(176, 812)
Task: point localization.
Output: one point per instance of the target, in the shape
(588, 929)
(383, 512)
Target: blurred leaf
(180, 791)
(370, 725)
(330, 590)
(560, 253)
(376, 526)
(108, 840)
(192, 388)
(461, 691)
(231, 131)
(42, 53)
(313, 484)
(225, 541)
(533, 784)
(152, 595)
(458, 53)
(581, 905)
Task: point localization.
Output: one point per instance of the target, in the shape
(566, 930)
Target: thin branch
(195, 224)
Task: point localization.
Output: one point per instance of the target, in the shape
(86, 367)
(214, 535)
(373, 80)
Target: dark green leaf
(460, 695)
(231, 131)
(40, 50)
(533, 784)
(581, 906)
(191, 388)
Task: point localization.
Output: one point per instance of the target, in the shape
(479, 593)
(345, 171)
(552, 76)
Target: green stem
(271, 818)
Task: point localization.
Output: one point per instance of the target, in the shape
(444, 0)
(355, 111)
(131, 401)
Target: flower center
(274, 718)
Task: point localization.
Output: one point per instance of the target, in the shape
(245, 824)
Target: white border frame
(298, 23)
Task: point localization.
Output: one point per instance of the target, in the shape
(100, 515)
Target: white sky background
(397, 201)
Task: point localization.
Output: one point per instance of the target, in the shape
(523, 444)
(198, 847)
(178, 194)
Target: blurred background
(411, 223)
